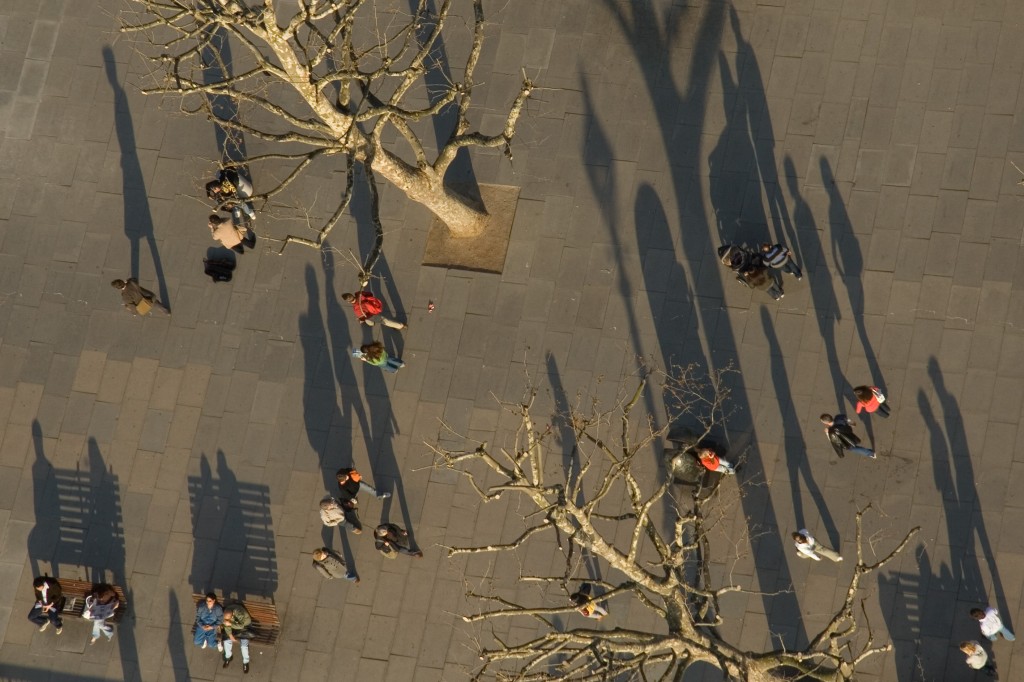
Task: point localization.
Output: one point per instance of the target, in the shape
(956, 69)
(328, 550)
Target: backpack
(332, 516)
(218, 269)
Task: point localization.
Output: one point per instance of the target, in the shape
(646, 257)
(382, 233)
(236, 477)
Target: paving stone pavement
(876, 137)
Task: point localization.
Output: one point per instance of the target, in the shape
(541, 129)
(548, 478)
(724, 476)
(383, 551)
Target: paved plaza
(179, 454)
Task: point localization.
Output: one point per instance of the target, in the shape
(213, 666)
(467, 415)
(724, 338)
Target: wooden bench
(265, 625)
(75, 591)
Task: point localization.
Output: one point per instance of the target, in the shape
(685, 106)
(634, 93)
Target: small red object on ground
(430, 306)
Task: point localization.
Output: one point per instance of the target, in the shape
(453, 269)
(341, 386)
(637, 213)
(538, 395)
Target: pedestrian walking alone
(136, 298)
(49, 604)
(99, 606)
(839, 430)
(585, 603)
(368, 307)
(235, 629)
(870, 399)
(350, 482)
(209, 617)
(712, 462)
(809, 548)
(374, 354)
(778, 257)
(977, 657)
(330, 565)
(991, 624)
(391, 540)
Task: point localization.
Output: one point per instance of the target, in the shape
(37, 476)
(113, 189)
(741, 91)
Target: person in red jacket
(712, 462)
(870, 399)
(367, 306)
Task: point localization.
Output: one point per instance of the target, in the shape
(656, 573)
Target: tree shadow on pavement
(681, 113)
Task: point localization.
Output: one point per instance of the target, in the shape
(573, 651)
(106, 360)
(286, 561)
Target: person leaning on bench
(49, 604)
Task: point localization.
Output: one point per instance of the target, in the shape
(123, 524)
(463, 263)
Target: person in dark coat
(350, 482)
(392, 540)
(132, 295)
(839, 430)
(49, 604)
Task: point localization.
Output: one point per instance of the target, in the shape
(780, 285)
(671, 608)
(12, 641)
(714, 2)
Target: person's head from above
(119, 284)
(705, 453)
(215, 220)
(863, 393)
(826, 419)
(211, 599)
(977, 614)
(330, 502)
(381, 531)
(348, 297)
(766, 247)
(967, 647)
(214, 189)
(799, 538)
(227, 617)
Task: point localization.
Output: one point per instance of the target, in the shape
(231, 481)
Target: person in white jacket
(808, 548)
(991, 624)
(977, 657)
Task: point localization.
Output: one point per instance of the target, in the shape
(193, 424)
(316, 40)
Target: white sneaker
(204, 644)
(220, 646)
(42, 628)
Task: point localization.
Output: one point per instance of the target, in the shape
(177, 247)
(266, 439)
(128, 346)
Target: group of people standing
(342, 512)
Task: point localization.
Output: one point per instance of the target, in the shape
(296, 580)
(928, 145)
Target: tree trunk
(463, 217)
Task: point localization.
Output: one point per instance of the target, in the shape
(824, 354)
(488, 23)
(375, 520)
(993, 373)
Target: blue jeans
(208, 636)
(38, 616)
(243, 645)
(392, 365)
(99, 626)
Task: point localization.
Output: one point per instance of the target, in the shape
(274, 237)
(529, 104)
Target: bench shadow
(138, 220)
(234, 549)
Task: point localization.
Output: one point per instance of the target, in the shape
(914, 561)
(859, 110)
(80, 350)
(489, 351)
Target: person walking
(712, 462)
(585, 603)
(350, 482)
(374, 354)
(227, 233)
(209, 617)
(367, 307)
(330, 565)
(809, 548)
(778, 257)
(977, 657)
(49, 604)
(839, 430)
(136, 298)
(870, 399)
(331, 512)
(392, 540)
(991, 624)
(235, 630)
(101, 605)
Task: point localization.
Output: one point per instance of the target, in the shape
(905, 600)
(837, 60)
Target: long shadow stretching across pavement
(138, 221)
(651, 42)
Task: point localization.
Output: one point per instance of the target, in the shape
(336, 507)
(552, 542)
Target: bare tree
(325, 78)
(664, 554)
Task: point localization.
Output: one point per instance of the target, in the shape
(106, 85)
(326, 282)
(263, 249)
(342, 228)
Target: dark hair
(211, 595)
(825, 417)
(578, 599)
(863, 393)
(348, 297)
(374, 351)
(213, 189)
(119, 284)
(799, 537)
(977, 614)
(216, 219)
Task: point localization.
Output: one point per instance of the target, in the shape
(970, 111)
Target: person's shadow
(138, 221)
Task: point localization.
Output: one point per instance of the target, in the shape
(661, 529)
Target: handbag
(143, 306)
(87, 611)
